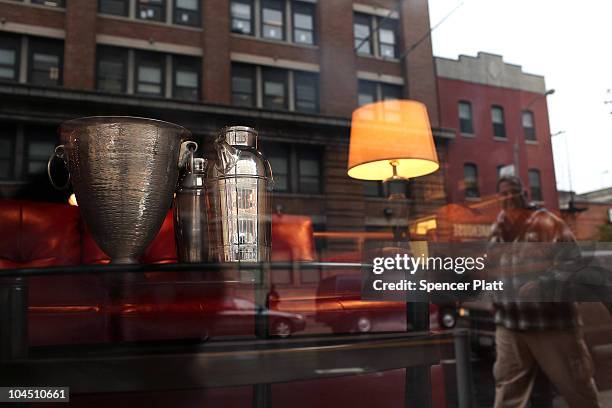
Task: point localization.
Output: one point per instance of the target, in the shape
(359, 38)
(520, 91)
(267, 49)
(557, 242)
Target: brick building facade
(295, 70)
(500, 116)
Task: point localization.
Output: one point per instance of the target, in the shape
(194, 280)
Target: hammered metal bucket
(124, 172)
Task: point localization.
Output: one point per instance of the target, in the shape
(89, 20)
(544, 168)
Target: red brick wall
(80, 44)
(32, 15)
(486, 152)
(147, 31)
(216, 65)
(585, 225)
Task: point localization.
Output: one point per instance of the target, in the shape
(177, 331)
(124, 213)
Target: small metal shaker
(239, 198)
(190, 220)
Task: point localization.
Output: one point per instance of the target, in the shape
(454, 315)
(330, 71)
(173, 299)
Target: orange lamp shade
(387, 131)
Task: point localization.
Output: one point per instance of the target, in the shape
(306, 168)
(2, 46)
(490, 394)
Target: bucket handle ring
(60, 153)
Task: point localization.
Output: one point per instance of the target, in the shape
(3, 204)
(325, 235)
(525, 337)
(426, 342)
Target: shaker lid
(239, 136)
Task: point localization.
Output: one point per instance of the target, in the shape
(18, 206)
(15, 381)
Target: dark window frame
(8, 132)
(117, 54)
(499, 129)
(472, 188)
(362, 85)
(384, 87)
(391, 25)
(251, 20)
(252, 76)
(466, 126)
(187, 64)
(282, 74)
(263, 22)
(48, 47)
(535, 191)
(300, 153)
(141, 4)
(293, 153)
(34, 133)
(145, 57)
(529, 132)
(126, 8)
(281, 151)
(312, 9)
(13, 43)
(358, 44)
(197, 13)
(311, 76)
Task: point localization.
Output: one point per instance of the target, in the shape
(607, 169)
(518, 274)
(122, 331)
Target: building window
(9, 58)
(278, 156)
(303, 23)
(243, 85)
(306, 92)
(111, 70)
(274, 88)
(154, 10)
(242, 16)
(186, 78)
(362, 29)
(470, 178)
(465, 118)
(149, 74)
(497, 117)
(528, 125)
(309, 171)
(41, 141)
(373, 189)
(45, 62)
(187, 12)
(535, 185)
(7, 146)
(387, 41)
(297, 168)
(114, 7)
(50, 3)
(369, 92)
(272, 18)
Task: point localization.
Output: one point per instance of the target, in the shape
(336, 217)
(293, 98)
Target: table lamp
(391, 141)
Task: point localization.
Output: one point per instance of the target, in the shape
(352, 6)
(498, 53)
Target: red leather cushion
(292, 238)
(161, 250)
(38, 234)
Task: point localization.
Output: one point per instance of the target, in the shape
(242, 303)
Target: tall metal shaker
(239, 198)
(190, 217)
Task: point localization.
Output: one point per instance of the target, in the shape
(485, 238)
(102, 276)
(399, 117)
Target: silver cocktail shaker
(190, 216)
(238, 192)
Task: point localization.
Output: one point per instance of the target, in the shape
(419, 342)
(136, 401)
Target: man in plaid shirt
(532, 334)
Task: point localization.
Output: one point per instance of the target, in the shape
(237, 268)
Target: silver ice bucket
(124, 172)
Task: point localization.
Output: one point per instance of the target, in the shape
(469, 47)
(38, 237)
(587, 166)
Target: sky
(566, 41)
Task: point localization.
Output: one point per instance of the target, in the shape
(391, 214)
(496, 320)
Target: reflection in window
(303, 23)
(373, 189)
(114, 7)
(363, 33)
(111, 69)
(9, 58)
(50, 3)
(186, 78)
(243, 85)
(309, 171)
(40, 144)
(497, 117)
(465, 118)
(187, 12)
(278, 156)
(535, 185)
(274, 88)
(7, 140)
(470, 177)
(367, 92)
(151, 10)
(272, 17)
(390, 92)
(45, 62)
(528, 125)
(306, 92)
(242, 16)
(387, 38)
(150, 74)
